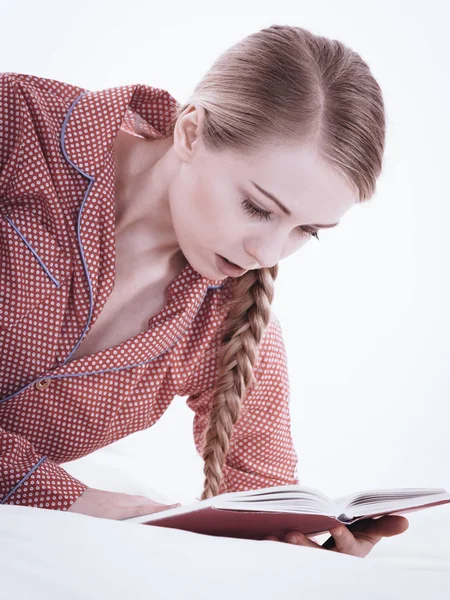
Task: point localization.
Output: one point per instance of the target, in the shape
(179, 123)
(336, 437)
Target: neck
(144, 170)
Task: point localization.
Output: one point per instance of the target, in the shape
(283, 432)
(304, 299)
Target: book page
(367, 496)
(372, 501)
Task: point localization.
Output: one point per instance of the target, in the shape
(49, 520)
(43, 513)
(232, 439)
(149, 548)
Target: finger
(272, 538)
(386, 526)
(295, 537)
(160, 508)
(391, 525)
(344, 540)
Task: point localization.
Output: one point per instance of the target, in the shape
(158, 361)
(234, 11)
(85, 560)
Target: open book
(254, 514)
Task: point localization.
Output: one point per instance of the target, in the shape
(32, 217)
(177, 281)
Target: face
(218, 204)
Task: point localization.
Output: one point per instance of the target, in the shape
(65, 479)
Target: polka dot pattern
(57, 269)
(261, 453)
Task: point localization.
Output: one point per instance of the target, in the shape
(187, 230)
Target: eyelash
(253, 210)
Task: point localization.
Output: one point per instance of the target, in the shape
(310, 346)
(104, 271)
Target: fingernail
(336, 532)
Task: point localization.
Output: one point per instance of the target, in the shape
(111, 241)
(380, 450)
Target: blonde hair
(282, 85)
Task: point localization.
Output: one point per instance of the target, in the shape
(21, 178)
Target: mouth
(232, 263)
(228, 267)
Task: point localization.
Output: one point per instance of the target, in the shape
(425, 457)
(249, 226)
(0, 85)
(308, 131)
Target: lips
(229, 268)
(231, 263)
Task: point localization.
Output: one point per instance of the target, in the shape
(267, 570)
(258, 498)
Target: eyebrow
(283, 207)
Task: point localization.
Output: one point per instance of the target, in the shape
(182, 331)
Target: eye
(254, 211)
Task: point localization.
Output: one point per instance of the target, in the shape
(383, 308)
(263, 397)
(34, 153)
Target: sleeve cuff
(46, 485)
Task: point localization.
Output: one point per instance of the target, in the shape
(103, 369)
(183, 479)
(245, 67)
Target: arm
(10, 121)
(262, 453)
(28, 478)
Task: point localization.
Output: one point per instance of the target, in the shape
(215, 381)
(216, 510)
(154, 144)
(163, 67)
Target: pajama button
(44, 383)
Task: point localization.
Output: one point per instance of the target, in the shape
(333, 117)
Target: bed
(59, 555)
(48, 554)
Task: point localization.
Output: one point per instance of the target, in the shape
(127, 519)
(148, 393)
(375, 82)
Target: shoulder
(29, 83)
(31, 107)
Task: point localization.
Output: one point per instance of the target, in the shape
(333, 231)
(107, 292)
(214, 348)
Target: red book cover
(203, 517)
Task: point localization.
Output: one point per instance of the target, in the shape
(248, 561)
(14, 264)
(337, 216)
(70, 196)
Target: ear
(187, 130)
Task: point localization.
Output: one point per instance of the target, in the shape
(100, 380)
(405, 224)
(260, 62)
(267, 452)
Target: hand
(356, 539)
(114, 505)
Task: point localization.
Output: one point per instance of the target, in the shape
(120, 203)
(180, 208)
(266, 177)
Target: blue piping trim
(23, 480)
(216, 287)
(38, 258)
(113, 369)
(92, 180)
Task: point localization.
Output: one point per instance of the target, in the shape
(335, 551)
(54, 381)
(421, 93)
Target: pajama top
(57, 269)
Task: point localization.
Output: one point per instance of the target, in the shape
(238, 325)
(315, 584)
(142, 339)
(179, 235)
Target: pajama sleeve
(10, 120)
(262, 452)
(28, 478)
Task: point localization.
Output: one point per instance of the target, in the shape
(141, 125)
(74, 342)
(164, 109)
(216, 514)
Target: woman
(140, 245)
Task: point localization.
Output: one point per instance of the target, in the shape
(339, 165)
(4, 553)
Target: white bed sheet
(59, 555)
(50, 555)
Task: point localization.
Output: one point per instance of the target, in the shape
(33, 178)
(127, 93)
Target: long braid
(249, 314)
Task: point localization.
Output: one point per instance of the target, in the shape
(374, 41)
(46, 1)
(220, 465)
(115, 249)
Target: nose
(261, 266)
(263, 260)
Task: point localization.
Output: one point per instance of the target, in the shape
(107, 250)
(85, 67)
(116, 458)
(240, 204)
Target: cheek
(297, 242)
(196, 212)
(293, 244)
(208, 209)
(216, 208)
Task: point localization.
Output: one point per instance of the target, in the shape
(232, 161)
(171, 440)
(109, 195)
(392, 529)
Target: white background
(364, 311)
